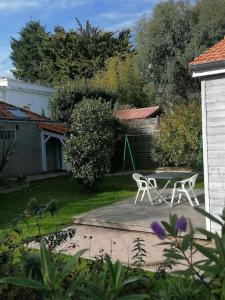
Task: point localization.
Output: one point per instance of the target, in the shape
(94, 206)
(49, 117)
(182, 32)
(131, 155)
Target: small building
(37, 142)
(210, 68)
(140, 124)
(34, 97)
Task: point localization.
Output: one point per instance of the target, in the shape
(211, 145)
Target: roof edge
(207, 69)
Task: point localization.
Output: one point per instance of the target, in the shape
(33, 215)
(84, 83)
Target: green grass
(71, 201)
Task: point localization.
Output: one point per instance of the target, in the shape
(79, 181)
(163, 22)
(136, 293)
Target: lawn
(71, 201)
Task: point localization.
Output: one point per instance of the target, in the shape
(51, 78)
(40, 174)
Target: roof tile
(213, 54)
(137, 113)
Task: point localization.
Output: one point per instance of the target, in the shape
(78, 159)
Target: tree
(27, 52)
(7, 151)
(123, 78)
(89, 148)
(62, 56)
(161, 49)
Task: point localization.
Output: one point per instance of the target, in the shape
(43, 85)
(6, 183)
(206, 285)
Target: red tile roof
(213, 54)
(7, 115)
(58, 128)
(137, 113)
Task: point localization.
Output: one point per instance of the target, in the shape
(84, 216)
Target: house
(37, 140)
(140, 124)
(26, 95)
(210, 68)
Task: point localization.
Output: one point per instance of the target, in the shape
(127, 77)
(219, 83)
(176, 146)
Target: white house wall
(213, 102)
(35, 102)
(21, 93)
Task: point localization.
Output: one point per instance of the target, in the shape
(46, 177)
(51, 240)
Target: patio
(127, 216)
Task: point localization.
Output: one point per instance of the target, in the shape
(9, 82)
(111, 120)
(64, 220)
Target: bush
(177, 142)
(89, 148)
(68, 95)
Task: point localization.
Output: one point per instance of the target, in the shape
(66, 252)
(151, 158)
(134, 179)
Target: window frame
(8, 129)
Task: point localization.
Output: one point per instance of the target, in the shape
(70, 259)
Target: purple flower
(181, 224)
(158, 230)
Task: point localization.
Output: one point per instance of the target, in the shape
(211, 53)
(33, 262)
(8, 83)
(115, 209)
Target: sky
(108, 14)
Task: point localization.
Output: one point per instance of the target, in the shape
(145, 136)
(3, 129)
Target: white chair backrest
(137, 177)
(192, 181)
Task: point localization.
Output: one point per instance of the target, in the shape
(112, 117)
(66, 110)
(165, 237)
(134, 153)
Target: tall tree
(123, 78)
(63, 55)
(27, 52)
(161, 48)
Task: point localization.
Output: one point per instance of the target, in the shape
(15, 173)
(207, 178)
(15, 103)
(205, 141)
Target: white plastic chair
(146, 185)
(185, 187)
(143, 186)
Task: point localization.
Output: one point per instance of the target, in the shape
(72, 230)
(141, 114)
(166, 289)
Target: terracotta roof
(213, 54)
(137, 113)
(58, 128)
(29, 115)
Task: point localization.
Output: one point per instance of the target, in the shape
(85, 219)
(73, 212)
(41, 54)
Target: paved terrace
(127, 216)
(112, 229)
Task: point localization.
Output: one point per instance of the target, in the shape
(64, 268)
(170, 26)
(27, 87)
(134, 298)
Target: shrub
(177, 142)
(68, 95)
(89, 148)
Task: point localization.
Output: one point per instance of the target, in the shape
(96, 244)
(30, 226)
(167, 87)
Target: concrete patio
(112, 229)
(127, 216)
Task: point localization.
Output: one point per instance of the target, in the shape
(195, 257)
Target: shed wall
(27, 157)
(213, 97)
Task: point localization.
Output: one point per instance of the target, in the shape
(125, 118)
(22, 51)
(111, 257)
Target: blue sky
(109, 14)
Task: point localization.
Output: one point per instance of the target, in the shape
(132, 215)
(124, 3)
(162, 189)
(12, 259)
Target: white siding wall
(213, 106)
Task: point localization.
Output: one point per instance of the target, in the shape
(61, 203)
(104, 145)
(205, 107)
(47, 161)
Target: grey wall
(213, 97)
(27, 157)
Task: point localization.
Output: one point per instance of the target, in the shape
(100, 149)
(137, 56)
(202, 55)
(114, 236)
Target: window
(18, 113)
(7, 134)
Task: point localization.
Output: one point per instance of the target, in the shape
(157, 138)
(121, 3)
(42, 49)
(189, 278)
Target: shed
(210, 68)
(38, 142)
(140, 124)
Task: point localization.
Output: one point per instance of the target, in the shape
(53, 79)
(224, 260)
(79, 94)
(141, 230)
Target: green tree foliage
(177, 142)
(123, 78)
(27, 52)
(161, 48)
(175, 34)
(89, 148)
(63, 55)
(66, 96)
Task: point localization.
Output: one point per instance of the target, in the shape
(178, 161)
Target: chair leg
(195, 197)
(135, 201)
(173, 195)
(142, 197)
(189, 197)
(149, 196)
(180, 195)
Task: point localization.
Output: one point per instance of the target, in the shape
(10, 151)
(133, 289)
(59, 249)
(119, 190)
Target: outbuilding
(210, 68)
(35, 142)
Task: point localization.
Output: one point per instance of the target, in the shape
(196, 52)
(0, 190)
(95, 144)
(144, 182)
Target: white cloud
(15, 5)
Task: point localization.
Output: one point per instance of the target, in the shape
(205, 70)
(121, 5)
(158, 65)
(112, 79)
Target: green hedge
(178, 140)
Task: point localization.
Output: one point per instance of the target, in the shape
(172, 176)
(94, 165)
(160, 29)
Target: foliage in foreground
(179, 137)
(30, 274)
(207, 272)
(89, 148)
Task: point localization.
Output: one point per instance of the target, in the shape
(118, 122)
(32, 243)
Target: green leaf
(206, 251)
(208, 215)
(70, 264)
(25, 282)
